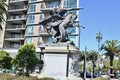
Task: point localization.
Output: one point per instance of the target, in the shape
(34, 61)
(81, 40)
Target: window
(30, 30)
(70, 3)
(72, 38)
(65, 4)
(32, 8)
(16, 45)
(29, 40)
(54, 4)
(40, 29)
(39, 40)
(42, 5)
(41, 17)
(31, 18)
(32, 0)
(50, 39)
(71, 30)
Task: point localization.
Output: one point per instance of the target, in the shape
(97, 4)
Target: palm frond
(111, 46)
(3, 11)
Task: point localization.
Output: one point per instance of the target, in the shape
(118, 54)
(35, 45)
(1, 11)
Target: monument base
(60, 61)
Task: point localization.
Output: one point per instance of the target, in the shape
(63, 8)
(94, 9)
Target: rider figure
(55, 14)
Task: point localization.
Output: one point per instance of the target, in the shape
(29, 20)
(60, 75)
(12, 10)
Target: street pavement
(110, 79)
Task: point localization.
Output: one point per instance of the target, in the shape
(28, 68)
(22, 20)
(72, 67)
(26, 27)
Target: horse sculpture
(57, 23)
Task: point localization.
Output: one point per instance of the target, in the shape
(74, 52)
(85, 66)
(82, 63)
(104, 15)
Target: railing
(18, 7)
(16, 0)
(15, 26)
(12, 46)
(16, 36)
(17, 17)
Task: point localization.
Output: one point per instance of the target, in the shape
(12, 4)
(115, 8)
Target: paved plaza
(110, 79)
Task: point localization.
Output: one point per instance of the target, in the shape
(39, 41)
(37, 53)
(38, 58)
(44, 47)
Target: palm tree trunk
(111, 63)
(27, 72)
(93, 67)
(84, 68)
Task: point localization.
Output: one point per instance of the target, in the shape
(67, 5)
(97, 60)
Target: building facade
(22, 25)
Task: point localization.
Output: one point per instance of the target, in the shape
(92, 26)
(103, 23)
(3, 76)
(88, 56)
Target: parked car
(88, 75)
(117, 75)
(96, 75)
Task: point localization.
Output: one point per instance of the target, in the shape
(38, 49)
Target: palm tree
(83, 57)
(93, 55)
(3, 11)
(111, 48)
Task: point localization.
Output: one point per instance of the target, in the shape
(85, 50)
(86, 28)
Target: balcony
(12, 46)
(17, 18)
(15, 28)
(18, 9)
(15, 37)
(33, 2)
(18, 2)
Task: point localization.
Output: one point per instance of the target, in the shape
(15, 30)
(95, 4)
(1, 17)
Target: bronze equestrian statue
(57, 23)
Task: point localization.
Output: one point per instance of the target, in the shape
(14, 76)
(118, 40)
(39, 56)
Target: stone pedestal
(60, 61)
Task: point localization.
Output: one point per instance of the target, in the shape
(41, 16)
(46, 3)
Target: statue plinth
(61, 47)
(60, 60)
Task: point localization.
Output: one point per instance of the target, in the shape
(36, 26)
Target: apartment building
(22, 25)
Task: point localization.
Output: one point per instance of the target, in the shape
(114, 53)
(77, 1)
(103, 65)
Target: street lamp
(79, 26)
(85, 62)
(98, 38)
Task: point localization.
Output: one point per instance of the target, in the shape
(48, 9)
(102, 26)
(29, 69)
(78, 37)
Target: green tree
(111, 48)
(26, 58)
(117, 64)
(5, 60)
(3, 11)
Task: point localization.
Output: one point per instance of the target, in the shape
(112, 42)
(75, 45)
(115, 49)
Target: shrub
(100, 78)
(46, 78)
(10, 77)
(26, 78)
(7, 77)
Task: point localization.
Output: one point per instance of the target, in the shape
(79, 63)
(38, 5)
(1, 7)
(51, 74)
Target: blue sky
(103, 15)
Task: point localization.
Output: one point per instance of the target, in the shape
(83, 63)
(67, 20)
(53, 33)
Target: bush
(45, 78)
(10, 77)
(100, 78)
(26, 78)
(7, 77)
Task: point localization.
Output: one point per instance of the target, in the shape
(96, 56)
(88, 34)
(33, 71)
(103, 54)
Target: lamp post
(67, 71)
(85, 62)
(41, 60)
(98, 38)
(79, 26)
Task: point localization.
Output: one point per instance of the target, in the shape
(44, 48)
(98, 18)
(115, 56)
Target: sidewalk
(110, 79)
